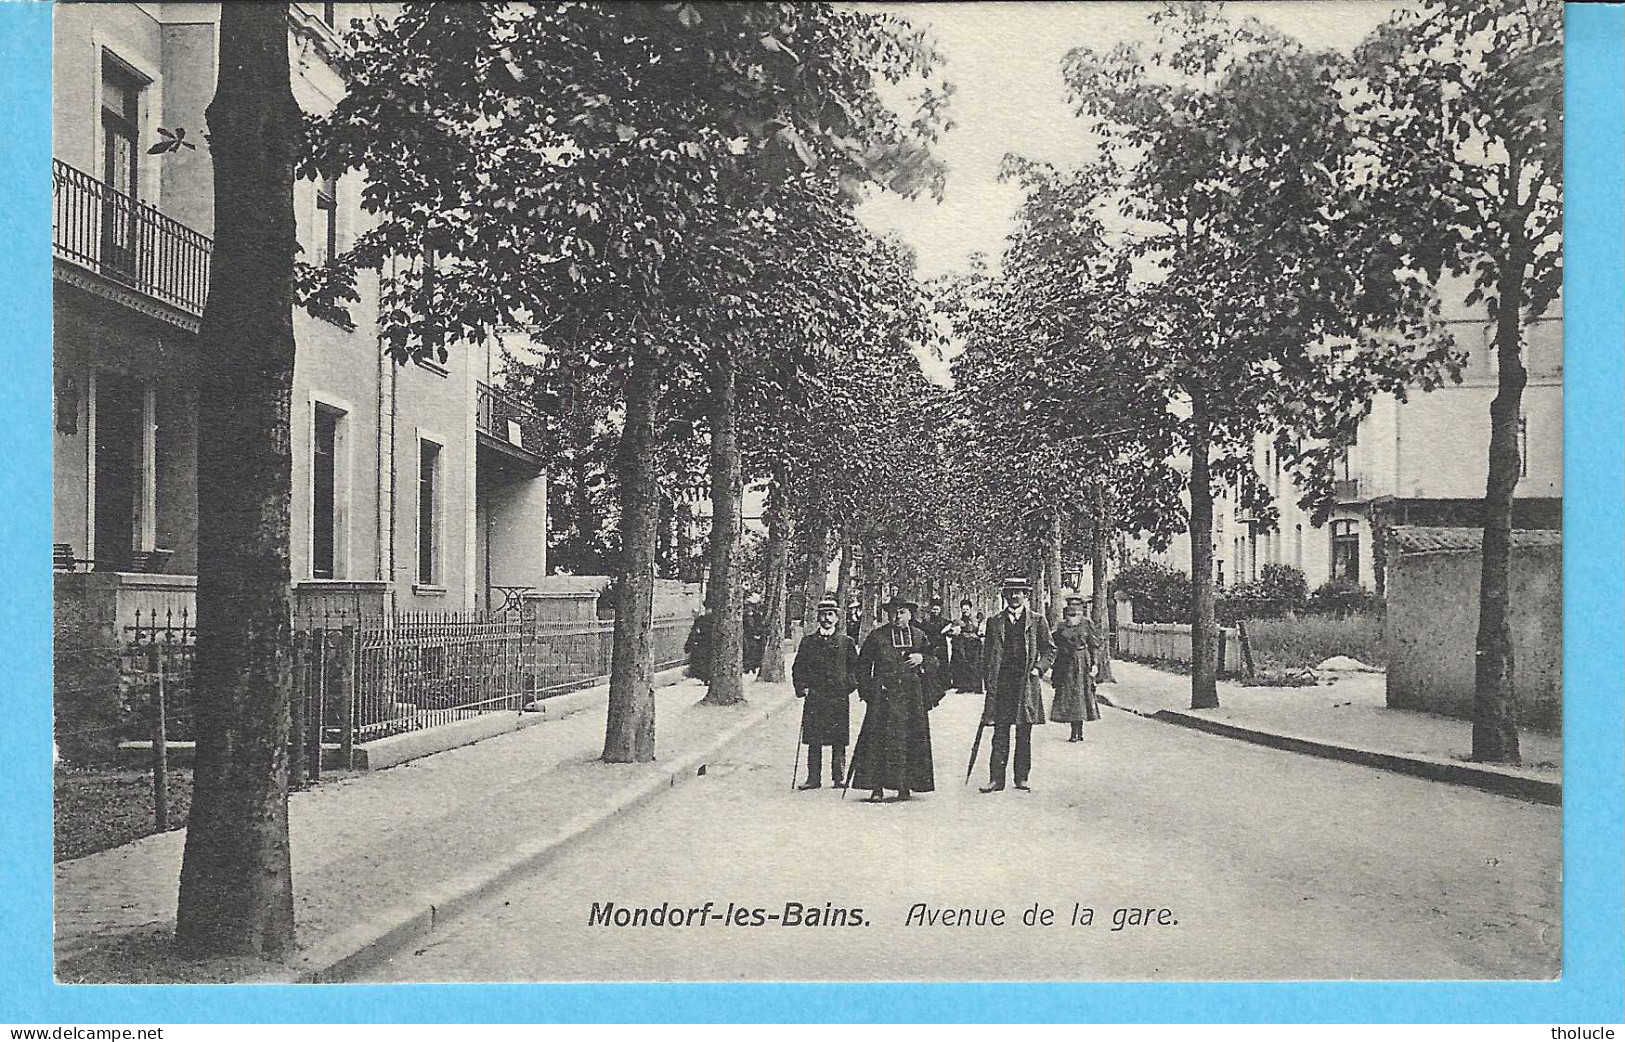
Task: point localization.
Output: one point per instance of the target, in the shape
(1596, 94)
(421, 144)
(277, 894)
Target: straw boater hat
(1074, 597)
(1017, 585)
(828, 604)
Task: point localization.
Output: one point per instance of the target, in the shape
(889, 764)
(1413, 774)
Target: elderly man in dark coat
(897, 679)
(825, 674)
(1016, 650)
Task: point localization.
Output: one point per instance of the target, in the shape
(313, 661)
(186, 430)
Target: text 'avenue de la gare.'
(829, 914)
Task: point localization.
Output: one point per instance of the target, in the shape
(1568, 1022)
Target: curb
(1490, 779)
(350, 953)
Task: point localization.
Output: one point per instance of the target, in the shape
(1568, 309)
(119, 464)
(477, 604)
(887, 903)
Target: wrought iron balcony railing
(105, 231)
(501, 417)
(1348, 490)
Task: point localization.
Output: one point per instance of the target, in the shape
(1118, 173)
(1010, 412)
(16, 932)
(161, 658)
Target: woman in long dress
(1076, 646)
(967, 655)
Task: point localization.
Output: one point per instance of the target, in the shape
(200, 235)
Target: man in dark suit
(1016, 650)
(825, 675)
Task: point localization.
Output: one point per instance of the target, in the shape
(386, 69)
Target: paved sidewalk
(381, 850)
(1346, 715)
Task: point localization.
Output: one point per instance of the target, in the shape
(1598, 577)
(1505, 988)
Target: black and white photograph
(834, 492)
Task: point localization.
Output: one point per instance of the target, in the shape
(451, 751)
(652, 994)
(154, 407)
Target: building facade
(1422, 461)
(416, 487)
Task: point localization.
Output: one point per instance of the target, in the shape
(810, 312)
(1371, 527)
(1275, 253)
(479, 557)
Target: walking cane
(796, 767)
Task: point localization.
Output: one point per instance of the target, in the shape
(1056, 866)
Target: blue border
(1591, 989)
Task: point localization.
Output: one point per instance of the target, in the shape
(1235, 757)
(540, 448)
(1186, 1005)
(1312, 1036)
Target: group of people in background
(906, 667)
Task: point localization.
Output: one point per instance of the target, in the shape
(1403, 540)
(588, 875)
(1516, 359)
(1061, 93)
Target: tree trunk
(629, 732)
(871, 590)
(814, 584)
(1103, 533)
(726, 602)
(1052, 569)
(843, 581)
(236, 885)
(1204, 643)
(1037, 599)
(1495, 696)
(778, 574)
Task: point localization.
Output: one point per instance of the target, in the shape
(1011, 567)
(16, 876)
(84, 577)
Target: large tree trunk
(1495, 696)
(1103, 534)
(629, 732)
(726, 601)
(1204, 645)
(236, 885)
(778, 574)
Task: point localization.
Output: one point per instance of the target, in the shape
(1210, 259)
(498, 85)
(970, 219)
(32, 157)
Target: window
(429, 514)
(327, 216)
(1346, 551)
(328, 13)
(324, 497)
(1523, 446)
(1297, 550)
(121, 107)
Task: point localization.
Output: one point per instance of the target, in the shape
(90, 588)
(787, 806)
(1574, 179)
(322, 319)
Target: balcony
(1347, 490)
(140, 257)
(505, 426)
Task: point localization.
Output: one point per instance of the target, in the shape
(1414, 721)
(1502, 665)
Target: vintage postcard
(691, 492)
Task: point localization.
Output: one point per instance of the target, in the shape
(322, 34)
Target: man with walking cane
(825, 675)
(1015, 652)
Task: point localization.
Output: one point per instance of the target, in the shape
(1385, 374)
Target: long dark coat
(894, 746)
(825, 673)
(966, 667)
(755, 638)
(1025, 703)
(1076, 648)
(698, 647)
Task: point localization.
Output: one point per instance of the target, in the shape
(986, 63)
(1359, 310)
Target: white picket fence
(1171, 642)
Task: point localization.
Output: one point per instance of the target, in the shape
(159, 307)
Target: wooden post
(347, 661)
(296, 737)
(1246, 648)
(160, 752)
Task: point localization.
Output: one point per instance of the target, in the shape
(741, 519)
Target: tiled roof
(1421, 539)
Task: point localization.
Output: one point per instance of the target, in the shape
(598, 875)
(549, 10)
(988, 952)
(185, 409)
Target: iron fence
(105, 231)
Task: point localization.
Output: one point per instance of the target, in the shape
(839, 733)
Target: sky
(1004, 60)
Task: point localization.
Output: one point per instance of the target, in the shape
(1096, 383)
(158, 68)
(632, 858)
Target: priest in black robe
(897, 680)
(825, 675)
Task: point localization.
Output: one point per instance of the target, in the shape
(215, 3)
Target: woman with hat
(1076, 647)
(825, 674)
(896, 679)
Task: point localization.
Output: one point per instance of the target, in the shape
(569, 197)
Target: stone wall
(1431, 626)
